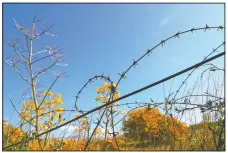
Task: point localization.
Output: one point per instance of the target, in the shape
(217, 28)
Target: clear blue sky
(105, 38)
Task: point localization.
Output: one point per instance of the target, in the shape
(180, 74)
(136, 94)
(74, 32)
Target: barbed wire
(90, 80)
(162, 43)
(158, 104)
(128, 95)
(135, 62)
(214, 50)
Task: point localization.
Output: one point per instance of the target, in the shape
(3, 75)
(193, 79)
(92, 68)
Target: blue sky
(105, 38)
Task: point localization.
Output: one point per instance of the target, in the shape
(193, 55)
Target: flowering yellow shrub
(104, 91)
(106, 94)
(46, 110)
(16, 134)
(143, 124)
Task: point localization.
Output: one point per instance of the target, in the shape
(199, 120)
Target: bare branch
(44, 31)
(43, 58)
(45, 70)
(16, 70)
(43, 51)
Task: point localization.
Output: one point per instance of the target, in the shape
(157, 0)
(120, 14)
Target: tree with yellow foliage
(12, 134)
(152, 127)
(25, 64)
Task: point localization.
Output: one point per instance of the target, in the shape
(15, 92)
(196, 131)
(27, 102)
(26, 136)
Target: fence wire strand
(127, 95)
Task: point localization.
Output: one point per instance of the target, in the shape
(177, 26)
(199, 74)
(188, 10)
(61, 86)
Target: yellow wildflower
(58, 117)
(56, 100)
(59, 109)
(17, 131)
(30, 104)
(20, 134)
(43, 108)
(114, 85)
(99, 98)
(106, 86)
(13, 139)
(51, 105)
(100, 90)
(53, 100)
(116, 96)
(48, 114)
(23, 116)
(45, 127)
(44, 101)
(59, 101)
(47, 92)
(61, 121)
(39, 112)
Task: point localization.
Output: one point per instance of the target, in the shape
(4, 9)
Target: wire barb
(177, 35)
(148, 52)
(162, 43)
(220, 27)
(206, 27)
(135, 63)
(122, 75)
(192, 30)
